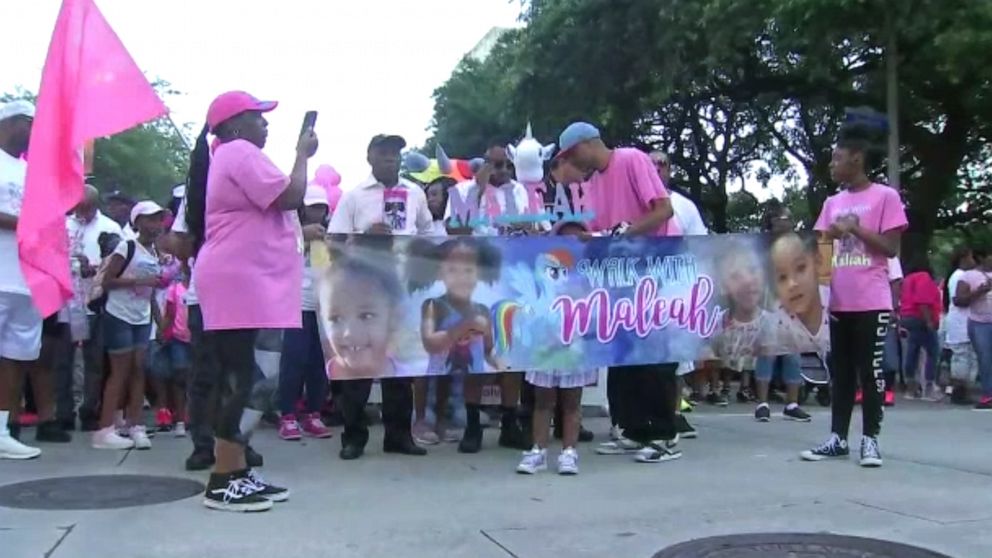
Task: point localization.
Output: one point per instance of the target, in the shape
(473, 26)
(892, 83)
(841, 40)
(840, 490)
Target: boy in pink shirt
(626, 196)
(865, 221)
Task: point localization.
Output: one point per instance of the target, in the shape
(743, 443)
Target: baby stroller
(816, 375)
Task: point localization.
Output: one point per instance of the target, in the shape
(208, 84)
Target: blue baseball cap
(574, 134)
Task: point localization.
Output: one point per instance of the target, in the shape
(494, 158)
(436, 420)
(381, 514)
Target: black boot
(472, 438)
(200, 460)
(510, 434)
(253, 458)
(51, 431)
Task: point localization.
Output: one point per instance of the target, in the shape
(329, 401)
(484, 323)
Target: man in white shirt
(84, 227)
(20, 323)
(686, 212)
(383, 204)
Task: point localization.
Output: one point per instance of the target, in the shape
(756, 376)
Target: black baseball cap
(118, 195)
(388, 141)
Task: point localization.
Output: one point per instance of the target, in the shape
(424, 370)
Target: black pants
(857, 348)
(397, 406)
(641, 400)
(200, 393)
(93, 371)
(235, 353)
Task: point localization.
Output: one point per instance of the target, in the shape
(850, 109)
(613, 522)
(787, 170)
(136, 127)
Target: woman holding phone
(242, 216)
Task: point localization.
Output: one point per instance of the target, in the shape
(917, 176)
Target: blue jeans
(302, 364)
(122, 337)
(790, 365)
(920, 336)
(981, 339)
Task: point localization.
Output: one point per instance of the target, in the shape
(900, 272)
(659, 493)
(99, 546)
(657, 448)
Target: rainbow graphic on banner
(503, 313)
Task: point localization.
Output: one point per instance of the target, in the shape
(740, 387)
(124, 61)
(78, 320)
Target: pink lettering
(535, 197)
(642, 314)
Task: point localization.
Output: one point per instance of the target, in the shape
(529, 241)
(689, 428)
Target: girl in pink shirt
(919, 314)
(241, 212)
(864, 221)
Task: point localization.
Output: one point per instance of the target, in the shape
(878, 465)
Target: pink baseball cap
(230, 104)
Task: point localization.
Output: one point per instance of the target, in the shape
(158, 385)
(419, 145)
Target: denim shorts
(121, 337)
(166, 360)
(791, 368)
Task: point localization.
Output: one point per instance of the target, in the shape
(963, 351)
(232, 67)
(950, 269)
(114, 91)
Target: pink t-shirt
(981, 309)
(860, 280)
(249, 271)
(623, 192)
(175, 296)
(919, 290)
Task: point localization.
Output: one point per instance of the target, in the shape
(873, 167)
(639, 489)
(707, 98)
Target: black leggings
(641, 400)
(857, 348)
(234, 350)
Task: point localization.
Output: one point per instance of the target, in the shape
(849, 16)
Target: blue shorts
(169, 360)
(791, 368)
(121, 337)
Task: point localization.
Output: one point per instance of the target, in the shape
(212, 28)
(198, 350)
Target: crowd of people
(172, 305)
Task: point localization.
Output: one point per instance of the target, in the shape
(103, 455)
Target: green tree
(145, 161)
(735, 89)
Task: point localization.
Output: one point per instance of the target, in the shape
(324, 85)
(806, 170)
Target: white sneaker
(620, 446)
(658, 452)
(179, 430)
(568, 462)
(107, 438)
(615, 433)
(533, 461)
(10, 448)
(139, 436)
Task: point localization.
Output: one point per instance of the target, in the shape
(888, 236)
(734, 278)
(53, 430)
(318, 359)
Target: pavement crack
(65, 534)
(127, 454)
(491, 539)
(899, 513)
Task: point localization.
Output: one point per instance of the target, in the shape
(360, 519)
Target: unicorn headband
(425, 170)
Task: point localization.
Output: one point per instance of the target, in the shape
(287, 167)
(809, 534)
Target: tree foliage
(145, 161)
(745, 90)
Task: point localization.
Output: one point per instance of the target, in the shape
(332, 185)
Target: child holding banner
(865, 221)
(564, 388)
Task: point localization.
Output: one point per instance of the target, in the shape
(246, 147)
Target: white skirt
(563, 378)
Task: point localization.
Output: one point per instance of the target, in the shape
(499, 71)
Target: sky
(367, 66)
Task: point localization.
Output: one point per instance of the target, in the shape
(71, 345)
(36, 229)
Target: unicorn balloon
(529, 156)
(422, 169)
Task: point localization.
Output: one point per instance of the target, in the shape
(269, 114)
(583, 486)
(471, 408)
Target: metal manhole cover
(98, 492)
(793, 545)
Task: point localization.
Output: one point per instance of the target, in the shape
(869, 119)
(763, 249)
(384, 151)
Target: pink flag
(90, 88)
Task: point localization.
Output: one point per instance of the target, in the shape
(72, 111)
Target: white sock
(4, 416)
(760, 405)
(249, 421)
(119, 418)
(791, 406)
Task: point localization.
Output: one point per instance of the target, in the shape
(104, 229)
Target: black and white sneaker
(763, 413)
(265, 489)
(658, 452)
(870, 456)
(833, 447)
(717, 399)
(234, 492)
(797, 414)
(685, 429)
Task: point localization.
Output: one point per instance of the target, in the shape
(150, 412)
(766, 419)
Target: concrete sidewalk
(935, 491)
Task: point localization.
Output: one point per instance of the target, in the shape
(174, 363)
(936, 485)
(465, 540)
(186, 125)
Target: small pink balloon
(326, 176)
